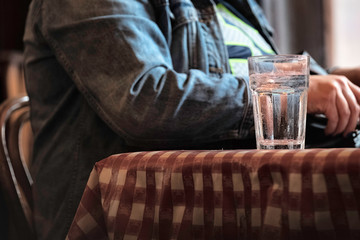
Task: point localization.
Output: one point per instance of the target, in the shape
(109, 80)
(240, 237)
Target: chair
(15, 179)
(12, 83)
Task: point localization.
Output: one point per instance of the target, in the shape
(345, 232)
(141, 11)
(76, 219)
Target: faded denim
(111, 76)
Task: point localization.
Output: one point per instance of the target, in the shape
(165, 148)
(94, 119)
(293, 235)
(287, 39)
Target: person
(107, 77)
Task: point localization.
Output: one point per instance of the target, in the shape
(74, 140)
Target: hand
(353, 74)
(337, 98)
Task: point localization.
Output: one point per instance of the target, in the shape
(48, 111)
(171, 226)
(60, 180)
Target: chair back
(15, 178)
(12, 82)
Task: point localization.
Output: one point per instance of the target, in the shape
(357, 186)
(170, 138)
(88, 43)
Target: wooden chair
(15, 179)
(12, 82)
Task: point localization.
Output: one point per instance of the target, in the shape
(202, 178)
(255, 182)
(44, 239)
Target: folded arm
(121, 62)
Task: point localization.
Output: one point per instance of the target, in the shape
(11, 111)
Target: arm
(120, 61)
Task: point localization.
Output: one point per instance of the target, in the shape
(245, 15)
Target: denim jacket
(112, 76)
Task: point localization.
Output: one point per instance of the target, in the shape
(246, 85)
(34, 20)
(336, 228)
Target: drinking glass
(279, 85)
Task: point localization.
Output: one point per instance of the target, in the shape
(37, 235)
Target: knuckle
(335, 86)
(342, 81)
(334, 89)
(346, 113)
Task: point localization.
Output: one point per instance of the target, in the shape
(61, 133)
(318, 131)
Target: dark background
(12, 21)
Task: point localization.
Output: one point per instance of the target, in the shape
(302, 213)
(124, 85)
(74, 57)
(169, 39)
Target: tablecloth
(234, 194)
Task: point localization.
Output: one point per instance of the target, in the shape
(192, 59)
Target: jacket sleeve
(121, 62)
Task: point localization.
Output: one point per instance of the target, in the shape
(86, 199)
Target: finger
(354, 110)
(333, 119)
(356, 91)
(343, 112)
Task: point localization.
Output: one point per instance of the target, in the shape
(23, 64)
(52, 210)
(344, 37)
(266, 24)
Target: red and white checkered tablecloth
(237, 194)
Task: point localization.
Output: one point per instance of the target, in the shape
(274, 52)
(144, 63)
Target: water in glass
(279, 110)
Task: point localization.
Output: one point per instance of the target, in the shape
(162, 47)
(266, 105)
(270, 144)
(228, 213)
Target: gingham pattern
(237, 194)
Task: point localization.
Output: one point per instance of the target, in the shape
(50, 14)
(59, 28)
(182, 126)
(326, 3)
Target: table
(235, 194)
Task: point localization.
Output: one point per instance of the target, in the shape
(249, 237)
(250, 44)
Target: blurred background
(12, 21)
(328, 29)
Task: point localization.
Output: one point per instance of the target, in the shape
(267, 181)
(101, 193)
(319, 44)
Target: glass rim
(279, 56)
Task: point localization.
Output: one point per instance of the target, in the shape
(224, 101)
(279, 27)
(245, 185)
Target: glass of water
(279, 85)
